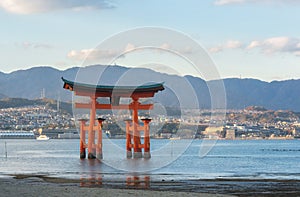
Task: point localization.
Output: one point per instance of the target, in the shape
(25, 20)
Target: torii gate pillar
(146, 138)
(133, 137)
(94, 149)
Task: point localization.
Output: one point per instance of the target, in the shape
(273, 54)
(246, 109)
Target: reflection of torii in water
(133, 128)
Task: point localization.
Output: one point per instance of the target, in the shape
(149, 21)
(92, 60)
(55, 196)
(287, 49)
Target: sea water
(227, 159)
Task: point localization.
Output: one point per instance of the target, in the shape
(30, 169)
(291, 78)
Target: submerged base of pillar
(147, 155)
(137, 155)
(128, 154)
(82, 155)
(91, 156)
(99, 156)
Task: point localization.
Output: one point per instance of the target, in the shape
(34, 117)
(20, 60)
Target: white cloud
(224, 2)
(92, 54)
(165, 46)
(100, 54)
(34, 45)
(277, 44)
(79, 55)
(216, 49)
(129, 47)
(230, 44)
(233, 44)
(229, 2)
(253, 44)
(268, 46)
(39, 6)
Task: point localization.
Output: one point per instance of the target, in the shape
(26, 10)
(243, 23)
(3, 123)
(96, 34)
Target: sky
(244, 38)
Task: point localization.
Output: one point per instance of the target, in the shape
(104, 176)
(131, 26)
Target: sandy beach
(35, 186)
(39, 185)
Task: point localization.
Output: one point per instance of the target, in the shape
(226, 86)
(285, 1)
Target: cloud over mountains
(230, 44)
(228, 2)
(268, 46)
(277, 44)
(40, 6)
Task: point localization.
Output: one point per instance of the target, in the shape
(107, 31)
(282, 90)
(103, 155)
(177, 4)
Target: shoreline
(47, 186)
(40, 185)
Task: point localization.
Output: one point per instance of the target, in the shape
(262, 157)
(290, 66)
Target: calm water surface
(245, 159)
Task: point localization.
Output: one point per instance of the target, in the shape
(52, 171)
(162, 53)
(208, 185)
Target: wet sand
(40, 185)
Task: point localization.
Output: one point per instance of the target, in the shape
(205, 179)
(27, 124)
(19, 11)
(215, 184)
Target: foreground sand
(42, 185)
(34, 186)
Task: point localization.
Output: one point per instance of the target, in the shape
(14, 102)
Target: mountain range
(179, 90)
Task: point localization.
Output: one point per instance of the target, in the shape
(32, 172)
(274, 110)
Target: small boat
(42, 137)
(174, 138)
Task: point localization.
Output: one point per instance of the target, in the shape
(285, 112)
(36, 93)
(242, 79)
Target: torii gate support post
(137, 151)
(91, 134)
(82, 138)
(99, 139)
(128, 138)
(146, 138)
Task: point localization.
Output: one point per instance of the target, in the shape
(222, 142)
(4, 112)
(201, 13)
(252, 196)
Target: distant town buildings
(251, 123)
(34, 117)
(230, 134)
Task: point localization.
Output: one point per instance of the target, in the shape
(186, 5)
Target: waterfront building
(230, 134)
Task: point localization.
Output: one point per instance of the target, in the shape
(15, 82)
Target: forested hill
(240, 93)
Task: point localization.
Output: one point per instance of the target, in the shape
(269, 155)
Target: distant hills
(240, 93)
(30, 83)
(22, 102)
(275, 95)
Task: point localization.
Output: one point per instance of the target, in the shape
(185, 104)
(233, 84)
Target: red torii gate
(133, 138)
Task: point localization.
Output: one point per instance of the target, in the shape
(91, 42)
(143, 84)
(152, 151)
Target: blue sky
(245, 38)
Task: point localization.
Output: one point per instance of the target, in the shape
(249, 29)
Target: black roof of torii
(150, 87)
